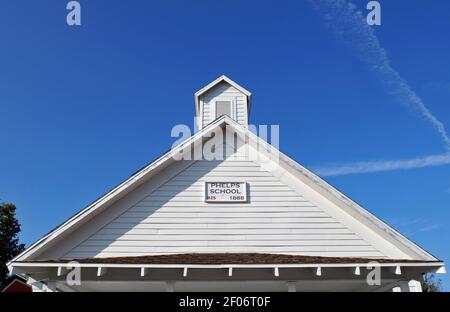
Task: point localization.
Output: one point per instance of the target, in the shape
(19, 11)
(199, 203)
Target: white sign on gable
(226, 192)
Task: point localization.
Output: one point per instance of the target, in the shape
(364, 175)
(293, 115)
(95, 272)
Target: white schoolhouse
(242, 216)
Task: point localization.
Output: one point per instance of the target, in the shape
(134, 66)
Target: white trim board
(219, 266)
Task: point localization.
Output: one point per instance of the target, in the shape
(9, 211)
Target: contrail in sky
(350, 24)
(383, 165)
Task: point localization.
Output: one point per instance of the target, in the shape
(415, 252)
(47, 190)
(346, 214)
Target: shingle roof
(231, 258)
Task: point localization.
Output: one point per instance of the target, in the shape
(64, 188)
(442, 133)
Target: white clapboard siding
(174, 218)
(246, 226)
(255, 199)
(201, 192)
(272, 203)
(171, 243)
(205, 247)
(226, 215)
(120, 231)
(111, 238)
(226, 172)
(207, 116)
(248, 179)
(217, 164)
(181, 185)
(151, 220)
(225, 209)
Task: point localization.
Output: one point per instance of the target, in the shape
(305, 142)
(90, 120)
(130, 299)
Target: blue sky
(82, 108)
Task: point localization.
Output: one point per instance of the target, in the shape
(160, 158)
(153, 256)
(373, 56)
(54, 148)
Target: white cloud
(350, 25)
(411, 227)
(383, 165)
(425, 228)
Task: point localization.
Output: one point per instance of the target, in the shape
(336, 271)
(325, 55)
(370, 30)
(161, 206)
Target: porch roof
(231, 258)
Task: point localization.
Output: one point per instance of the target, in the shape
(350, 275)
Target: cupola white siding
(222, 90)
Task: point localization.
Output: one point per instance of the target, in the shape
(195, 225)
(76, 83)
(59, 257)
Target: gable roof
(16, 284)
(216, 82)
(301, 173)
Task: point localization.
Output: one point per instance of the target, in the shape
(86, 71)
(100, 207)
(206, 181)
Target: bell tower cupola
(223, 96)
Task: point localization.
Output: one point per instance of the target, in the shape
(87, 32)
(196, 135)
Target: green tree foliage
(431, 284)
(9, 240)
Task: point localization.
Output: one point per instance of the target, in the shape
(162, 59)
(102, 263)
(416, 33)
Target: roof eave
(439, 266)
